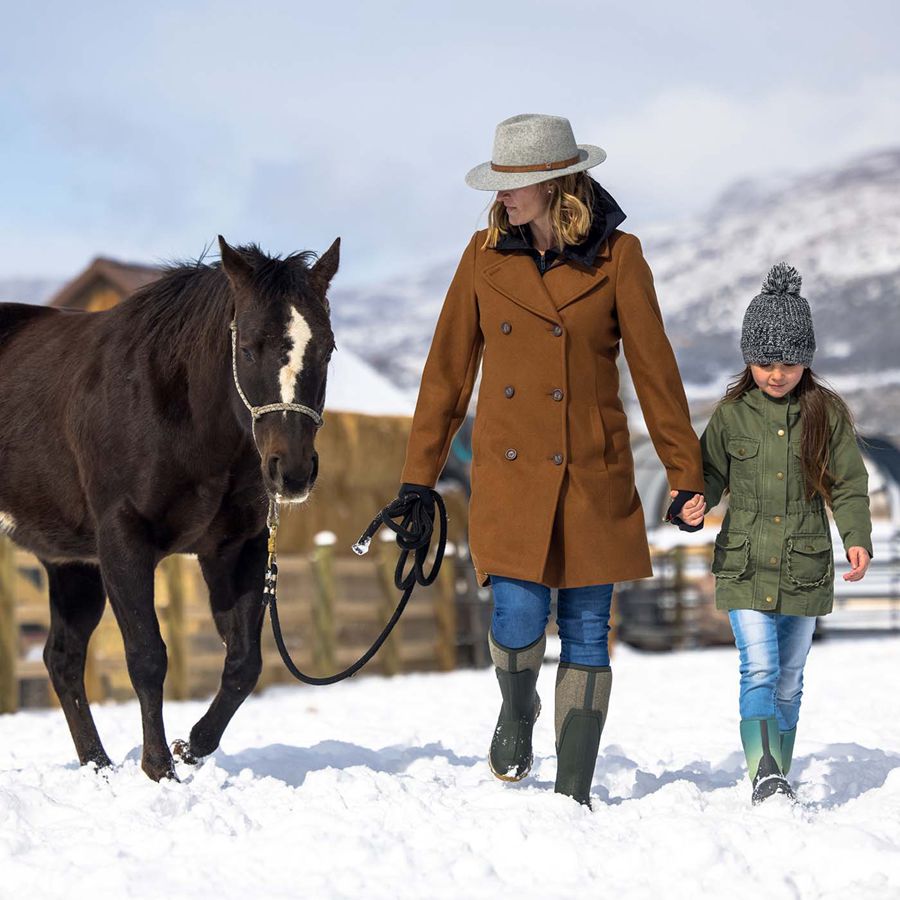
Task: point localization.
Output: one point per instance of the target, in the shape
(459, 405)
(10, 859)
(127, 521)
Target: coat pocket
(599, 436)
(731, 555)
(743, 453)
(809, 559)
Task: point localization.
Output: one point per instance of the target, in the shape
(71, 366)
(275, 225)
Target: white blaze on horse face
(299, 335)
(7, 523)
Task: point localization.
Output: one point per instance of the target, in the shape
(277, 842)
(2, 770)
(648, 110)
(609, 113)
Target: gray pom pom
(782, 279)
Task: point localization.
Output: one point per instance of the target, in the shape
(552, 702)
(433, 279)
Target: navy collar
(606, 217)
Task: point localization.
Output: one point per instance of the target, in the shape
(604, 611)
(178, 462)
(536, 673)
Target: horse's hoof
(181, 750)
(162, 770)
(99, 761)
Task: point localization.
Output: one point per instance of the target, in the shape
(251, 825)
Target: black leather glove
(423, 492)
(675, 508)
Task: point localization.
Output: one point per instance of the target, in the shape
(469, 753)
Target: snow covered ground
(380, 788)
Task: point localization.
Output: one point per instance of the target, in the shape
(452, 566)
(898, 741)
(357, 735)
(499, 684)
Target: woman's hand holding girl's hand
(693, 510)
(858, 557)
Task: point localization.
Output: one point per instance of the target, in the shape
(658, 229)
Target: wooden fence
(331, 608)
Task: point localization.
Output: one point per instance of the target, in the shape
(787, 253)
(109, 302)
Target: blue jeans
(522, 608)
(773, 650)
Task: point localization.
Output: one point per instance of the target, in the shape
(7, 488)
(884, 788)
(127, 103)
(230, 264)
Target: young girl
(783, 446)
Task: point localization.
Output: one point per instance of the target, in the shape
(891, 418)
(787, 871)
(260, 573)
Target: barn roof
(124, 277)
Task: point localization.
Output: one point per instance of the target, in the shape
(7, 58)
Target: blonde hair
(570, 212)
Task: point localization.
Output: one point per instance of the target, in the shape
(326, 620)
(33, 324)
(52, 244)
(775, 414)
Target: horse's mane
(187, 309)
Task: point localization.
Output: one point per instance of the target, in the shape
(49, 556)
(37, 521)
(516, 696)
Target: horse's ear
(236, 267)
(327, 264)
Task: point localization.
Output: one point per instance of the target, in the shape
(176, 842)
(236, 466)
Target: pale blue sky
(142, 130)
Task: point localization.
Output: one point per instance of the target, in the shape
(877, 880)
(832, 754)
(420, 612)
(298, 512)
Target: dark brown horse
(124, 438)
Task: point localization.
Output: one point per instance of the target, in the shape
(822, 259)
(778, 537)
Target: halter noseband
(257, 411)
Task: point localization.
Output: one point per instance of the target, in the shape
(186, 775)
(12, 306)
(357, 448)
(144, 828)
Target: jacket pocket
(809, 559)
(743, 453)
(599, 435)
(731, 554)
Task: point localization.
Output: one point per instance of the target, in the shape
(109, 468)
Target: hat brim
(484, 178)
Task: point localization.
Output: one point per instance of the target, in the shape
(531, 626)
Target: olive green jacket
(774, 551)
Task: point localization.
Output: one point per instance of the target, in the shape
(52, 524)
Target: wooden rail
(331, 609)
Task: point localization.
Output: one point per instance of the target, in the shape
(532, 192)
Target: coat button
(780, 432)
(741, 451)
(509, 391)
(511, 454)
(773, 560)
(770, 599)
(779, 475)
(557, 459)
(557, 331)
(506, 328)
(557, 395)
(776, 520)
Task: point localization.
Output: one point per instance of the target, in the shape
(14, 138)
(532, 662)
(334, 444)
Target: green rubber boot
(511, 755)
(762, 747)
(582, 704)
(787, 749)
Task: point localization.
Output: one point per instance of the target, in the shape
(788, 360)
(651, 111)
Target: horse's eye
(247, 353)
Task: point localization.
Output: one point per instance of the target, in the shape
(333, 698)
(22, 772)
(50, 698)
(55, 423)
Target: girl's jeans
(522, 608)
(773, 650)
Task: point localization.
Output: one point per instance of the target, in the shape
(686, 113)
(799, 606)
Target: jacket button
(557, 331)
(741, 451)
(780, 432)
(770, 599)
(511, 454)
(773, 560)
(776, 520)
(506, 328)
(779, 475)
(557, 395)
(557, 459)
(509, 391)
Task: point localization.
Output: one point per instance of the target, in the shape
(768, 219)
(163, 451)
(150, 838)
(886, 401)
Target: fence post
(385, 564)
(678, 585)
(323, 603)
(177, 676)
(445, 611)
(9, 632)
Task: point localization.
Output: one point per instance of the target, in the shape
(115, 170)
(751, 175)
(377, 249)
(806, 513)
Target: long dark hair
(816, 401)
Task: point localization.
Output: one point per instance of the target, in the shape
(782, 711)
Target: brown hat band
(540, 167)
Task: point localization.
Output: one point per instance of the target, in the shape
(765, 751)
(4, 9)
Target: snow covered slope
(380, 788)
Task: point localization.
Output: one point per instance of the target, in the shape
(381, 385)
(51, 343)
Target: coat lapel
(569, 282)
(517, 278)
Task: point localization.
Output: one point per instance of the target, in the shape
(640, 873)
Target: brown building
(103, 284)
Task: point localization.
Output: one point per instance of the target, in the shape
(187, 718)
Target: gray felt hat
(532, 148)
(778, 323)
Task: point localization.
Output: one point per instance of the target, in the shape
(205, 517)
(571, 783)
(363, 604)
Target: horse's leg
(127, 562)
(235, 595)
(77, 599)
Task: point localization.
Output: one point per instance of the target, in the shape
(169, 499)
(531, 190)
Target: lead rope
(414, 533)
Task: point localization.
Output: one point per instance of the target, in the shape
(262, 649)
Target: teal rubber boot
(762, 747)
(511, 755)
(582, 704)
(787, 749)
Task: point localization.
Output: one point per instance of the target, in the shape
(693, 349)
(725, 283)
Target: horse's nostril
(274, 467)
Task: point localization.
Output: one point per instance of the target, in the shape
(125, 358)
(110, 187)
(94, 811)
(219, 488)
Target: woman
(541, 299)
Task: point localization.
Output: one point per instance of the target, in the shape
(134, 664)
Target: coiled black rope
(414, 533)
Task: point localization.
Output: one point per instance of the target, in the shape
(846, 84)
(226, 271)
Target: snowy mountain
(839, 226)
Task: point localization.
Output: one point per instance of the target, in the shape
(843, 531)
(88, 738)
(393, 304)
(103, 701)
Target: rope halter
(257, 412)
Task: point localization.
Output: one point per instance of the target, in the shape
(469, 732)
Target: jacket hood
(606, 217)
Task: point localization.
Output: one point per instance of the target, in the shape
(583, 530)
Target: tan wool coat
(553, 495)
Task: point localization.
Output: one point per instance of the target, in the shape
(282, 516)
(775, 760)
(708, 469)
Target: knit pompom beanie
(778, 324)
